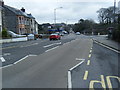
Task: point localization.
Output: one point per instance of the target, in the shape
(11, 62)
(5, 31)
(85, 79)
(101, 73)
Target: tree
(107, 15)
(83, 25)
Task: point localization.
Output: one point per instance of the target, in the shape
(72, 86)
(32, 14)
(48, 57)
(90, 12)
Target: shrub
(5, 34)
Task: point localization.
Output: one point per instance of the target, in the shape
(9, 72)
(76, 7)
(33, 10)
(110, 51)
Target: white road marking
(6, 66)
(69, 74)
(66, 43)
(51, 49)
(69, 80)
(79, 59)
(29, 45)
(107, 47)
(6, 54)
(21, 59)
(24, 58)
(32, 55)
(76, 65)
(52, 44)
(2, 59)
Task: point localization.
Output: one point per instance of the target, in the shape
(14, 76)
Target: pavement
(13, 40)
(110, 43)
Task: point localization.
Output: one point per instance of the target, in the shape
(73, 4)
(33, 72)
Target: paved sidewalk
(109, 43)
(13, 40)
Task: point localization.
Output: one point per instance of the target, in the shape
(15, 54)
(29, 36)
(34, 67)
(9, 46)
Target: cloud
(72, 11)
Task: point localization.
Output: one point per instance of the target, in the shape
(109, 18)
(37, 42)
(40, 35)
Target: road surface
(48, 62)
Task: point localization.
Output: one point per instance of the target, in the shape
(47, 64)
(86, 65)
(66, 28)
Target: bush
(5, 34)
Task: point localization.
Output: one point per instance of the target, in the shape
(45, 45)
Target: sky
(70, 13)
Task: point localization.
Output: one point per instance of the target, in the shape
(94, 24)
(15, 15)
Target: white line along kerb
(107, 47)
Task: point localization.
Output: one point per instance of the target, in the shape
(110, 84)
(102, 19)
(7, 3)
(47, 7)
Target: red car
(55, 36)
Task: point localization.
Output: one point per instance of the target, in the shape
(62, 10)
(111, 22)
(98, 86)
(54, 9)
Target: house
(18, 21)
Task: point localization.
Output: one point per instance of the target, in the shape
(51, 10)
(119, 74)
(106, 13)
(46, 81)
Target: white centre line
(2, 59)
(51, 49)
(52, 44)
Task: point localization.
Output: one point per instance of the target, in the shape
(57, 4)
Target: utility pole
(114, 10)
(55, 14)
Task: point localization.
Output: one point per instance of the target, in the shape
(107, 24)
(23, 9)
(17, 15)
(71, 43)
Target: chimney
(1, 2)
(23, 10)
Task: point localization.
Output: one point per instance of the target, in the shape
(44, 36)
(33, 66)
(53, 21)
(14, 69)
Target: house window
(19, 20)
(19, 30)
(22, 20)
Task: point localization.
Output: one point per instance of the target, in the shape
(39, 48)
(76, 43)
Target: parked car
(31, 37)
(77, 33)
(65, 32)
(55, 36)
(61, 34)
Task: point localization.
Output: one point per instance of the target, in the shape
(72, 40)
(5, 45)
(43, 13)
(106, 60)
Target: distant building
(1, 3)
(119, 5)
(18, 21)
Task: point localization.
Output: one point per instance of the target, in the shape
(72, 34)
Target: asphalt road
(101, 70)
(49, 69)
(13, 52)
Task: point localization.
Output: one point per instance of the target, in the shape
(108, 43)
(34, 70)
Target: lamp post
(114, 9)
(55, 14)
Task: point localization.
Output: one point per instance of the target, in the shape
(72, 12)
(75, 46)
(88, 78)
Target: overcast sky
(72, 11)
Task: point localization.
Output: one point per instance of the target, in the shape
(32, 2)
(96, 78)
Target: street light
(55, 14)
(114, 9)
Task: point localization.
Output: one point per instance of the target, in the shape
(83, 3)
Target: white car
(77, 33)
(31, 37)
(15, 35)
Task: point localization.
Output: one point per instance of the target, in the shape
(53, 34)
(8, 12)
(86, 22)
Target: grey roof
(14, 10)
(18, 12)
(30, 15)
